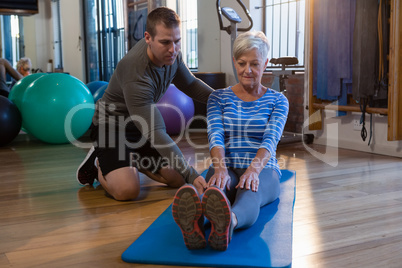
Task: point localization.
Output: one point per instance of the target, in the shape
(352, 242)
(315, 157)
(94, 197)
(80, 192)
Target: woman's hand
(249, 180)
(220, 178)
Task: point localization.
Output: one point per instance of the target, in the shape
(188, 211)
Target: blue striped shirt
(242, 127)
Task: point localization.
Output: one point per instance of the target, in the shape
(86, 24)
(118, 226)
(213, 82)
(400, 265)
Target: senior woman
(24, 66)
(245, 124)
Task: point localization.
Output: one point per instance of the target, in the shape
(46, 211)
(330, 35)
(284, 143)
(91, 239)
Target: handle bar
(227, 28)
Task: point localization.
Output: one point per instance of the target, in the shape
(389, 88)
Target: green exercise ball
(57, 108)
(19, 88)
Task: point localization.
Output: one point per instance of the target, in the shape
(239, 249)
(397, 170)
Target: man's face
(164, 46)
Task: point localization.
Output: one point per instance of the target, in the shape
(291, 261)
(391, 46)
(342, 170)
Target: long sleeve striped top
(241, 127)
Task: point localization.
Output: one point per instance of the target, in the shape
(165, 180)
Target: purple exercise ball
(177, 109)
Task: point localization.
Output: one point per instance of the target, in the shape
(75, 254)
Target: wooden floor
(348, 215)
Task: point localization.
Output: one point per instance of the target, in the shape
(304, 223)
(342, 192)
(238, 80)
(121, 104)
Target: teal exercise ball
(57, 108)
(19, 88)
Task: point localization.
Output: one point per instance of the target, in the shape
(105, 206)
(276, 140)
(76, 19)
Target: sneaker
(87, 172)
(216, 208)
(187, 213)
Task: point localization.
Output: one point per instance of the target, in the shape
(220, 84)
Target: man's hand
(200, 184)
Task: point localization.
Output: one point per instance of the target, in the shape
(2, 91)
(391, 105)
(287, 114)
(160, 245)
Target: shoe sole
(216, 208)
(81, 176)
(187, 211)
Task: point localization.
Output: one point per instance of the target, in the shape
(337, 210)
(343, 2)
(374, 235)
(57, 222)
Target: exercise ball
(57, 106)
(177, 109)
(18, 90)
(99, 93)
(95, 85)
(10, 121)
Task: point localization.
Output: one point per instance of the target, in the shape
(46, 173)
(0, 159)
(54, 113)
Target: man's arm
(192, 86)
(149, 121)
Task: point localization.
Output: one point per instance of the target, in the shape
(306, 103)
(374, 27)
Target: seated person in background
(24, 67)
(245, 124)
(5, 67)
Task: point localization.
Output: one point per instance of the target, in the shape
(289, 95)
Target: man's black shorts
(117, 148)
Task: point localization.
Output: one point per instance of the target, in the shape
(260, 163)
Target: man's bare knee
(122, 184)
(125, 194)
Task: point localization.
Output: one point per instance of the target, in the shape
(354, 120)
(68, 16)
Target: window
(284, 27)
(104, 37)
(58, 58)
(187, 11)
(12, 39)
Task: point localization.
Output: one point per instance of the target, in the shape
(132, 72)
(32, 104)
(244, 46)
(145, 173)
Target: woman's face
(25, 70)
(250, 68)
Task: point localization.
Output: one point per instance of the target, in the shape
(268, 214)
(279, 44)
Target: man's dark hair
(161, 15)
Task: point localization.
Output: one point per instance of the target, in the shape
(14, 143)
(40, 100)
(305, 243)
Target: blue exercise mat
(268, 243)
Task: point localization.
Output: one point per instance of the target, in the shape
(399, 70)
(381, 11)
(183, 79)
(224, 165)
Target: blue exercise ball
(177, 109)
(10, 121)
(99, 93)
(95, 85)
(57, 108)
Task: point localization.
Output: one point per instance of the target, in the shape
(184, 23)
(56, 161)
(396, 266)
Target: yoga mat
(268, 243)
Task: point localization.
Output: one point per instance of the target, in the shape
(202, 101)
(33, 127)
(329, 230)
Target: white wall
(30, 38)
(38, 41)
(72, 38)
(209, 37)
(38, 33)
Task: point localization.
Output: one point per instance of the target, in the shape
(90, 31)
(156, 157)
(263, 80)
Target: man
(127, 122)
(5, 67)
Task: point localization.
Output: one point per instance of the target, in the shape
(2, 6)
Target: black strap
(363, 105)
(371, 128)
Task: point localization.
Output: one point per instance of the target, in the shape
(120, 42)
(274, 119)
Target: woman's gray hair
(249, 40)
(24, 62)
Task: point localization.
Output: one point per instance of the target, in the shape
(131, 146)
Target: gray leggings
(246, 204)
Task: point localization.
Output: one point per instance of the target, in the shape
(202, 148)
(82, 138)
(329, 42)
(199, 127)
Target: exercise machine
(231, 15)
(279, 84)
(282, 74)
